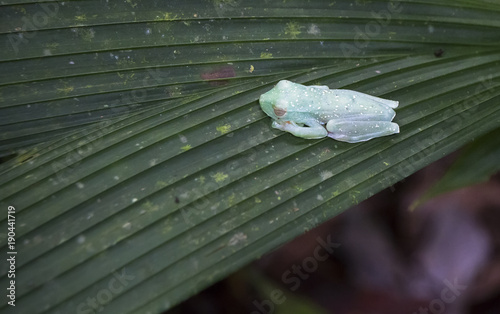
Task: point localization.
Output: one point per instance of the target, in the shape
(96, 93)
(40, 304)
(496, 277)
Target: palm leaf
(475, 164)
(141, 155)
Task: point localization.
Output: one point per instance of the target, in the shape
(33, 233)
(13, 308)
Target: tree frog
(316, 111)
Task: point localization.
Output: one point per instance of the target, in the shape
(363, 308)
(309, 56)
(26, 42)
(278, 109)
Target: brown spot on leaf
(214, 77)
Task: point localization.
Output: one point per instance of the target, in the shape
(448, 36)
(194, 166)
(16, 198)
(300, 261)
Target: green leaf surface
(144, 168)
(475, 164)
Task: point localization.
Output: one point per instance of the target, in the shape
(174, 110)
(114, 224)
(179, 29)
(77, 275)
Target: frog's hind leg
(359, 131)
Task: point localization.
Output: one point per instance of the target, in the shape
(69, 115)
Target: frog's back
(348, 104)
(323, 104)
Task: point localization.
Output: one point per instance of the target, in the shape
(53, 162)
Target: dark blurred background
(443, 257)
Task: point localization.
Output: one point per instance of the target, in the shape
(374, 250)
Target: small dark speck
(177, 201)
(8, 157)
(439, 53)
(25, 159)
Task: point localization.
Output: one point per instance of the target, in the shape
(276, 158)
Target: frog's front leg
(359, 131)
(313, 131)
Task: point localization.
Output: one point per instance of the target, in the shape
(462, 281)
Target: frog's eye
(279, 112)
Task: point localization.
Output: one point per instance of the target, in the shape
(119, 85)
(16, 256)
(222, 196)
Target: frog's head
(274, 102)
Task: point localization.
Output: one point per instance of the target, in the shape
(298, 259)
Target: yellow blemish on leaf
(266, 55)
(298, 188)
(186, 147)
(65, 90)
(223, 129)
(150, 207)
(220, 176)
(107, 43)
(132, 4)
(257, 200)
(20, 9)
(335, 193)
(386, 163)
(166, 16)
(26, 156)
(230, 199)
(201, 179)
(126, 77)
(353, 195)
(52, 45)
(81, 18)
(160, 184)
(87, 34)
(125, 62)
(168, 227)
(251, 68)
(292, 29)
